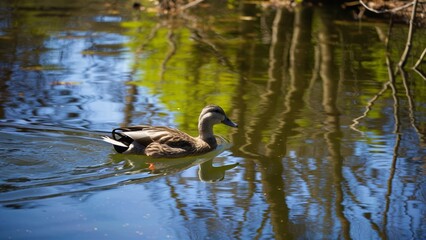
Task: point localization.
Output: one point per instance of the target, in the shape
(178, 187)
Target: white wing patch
(113, 142)
(146, 134)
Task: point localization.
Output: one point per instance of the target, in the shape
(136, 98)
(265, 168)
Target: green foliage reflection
(182, 66)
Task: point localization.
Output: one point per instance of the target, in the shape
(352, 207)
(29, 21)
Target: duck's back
(165, 141)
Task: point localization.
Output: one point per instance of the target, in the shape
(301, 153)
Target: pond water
(331, 139)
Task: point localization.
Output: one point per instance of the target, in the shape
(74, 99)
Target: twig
(368, 108)
(403, 59)
(199, 37)
(398, 136)
(172, 43)
(148, 39)
(420, 59)
(390, 179)
(385, 85)
(386, 10)
(418, 71)
(411, 104)
(191, 4)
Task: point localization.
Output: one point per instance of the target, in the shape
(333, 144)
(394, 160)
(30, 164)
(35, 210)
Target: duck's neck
(205, 130)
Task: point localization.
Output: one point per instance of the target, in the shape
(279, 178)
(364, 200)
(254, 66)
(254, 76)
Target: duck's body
(168, 142)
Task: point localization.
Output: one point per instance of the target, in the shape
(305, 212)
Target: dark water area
(331, 138)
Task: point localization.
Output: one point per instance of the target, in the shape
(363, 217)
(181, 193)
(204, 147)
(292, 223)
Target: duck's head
(214, 114)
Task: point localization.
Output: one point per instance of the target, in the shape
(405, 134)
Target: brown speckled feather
(163, 141)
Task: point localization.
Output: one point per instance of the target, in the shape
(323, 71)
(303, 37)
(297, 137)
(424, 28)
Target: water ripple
(81, 163)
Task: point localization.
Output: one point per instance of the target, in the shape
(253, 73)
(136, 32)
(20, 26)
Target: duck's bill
(230, 123)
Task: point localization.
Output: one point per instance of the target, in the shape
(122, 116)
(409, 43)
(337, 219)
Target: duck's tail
(114, 142)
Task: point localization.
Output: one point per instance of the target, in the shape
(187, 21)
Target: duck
(166, 142)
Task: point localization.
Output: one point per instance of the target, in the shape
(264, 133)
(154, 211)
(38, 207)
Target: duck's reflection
(158, 167)
(207, 172)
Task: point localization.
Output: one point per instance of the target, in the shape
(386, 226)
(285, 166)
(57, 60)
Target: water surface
(331, 137)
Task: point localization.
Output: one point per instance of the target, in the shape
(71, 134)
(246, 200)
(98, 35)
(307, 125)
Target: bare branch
(172, 43)
(386, 10)
(418, 63)
(191, 4)
(370, 104)
(420, 59)
(385, 87)
(403, 59)
(411, 104)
